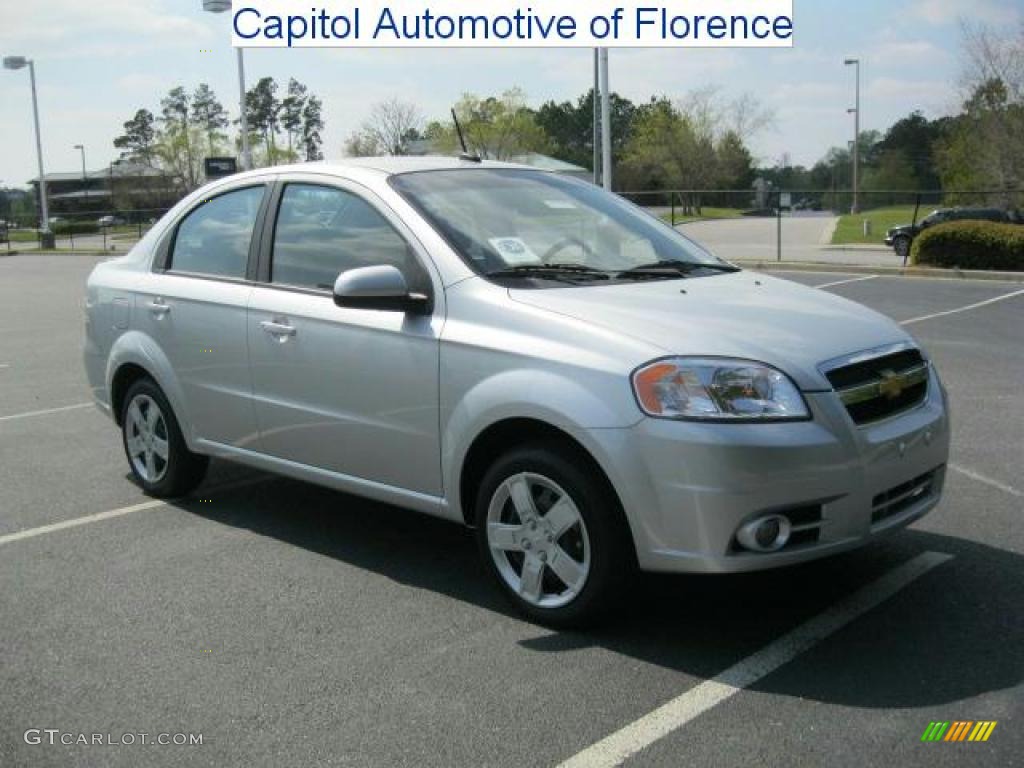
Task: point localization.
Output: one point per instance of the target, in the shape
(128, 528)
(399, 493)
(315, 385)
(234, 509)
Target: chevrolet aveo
(520, 352)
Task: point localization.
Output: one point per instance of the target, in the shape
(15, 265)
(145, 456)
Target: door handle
(158, 308)
(274, 328)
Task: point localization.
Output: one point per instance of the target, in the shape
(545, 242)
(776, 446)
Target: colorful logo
(959, 730)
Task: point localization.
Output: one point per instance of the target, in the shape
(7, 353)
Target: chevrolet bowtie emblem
(892, 384)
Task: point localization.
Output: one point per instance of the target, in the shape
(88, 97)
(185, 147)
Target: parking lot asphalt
(290, 625)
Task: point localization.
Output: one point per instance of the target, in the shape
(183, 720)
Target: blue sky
(99, 61)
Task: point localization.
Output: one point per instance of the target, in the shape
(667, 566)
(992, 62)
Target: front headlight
(709, 389)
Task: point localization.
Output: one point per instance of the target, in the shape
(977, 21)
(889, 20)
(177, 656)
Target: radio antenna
(466, 154)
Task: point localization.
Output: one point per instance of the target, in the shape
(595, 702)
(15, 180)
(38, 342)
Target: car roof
(389, 166)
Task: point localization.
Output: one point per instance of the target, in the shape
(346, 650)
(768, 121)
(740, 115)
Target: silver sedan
(519, 352)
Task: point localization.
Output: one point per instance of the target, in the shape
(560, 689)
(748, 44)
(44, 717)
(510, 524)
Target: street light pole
(855, 208)
(596, 117)
(219, 6)
(20, 62)
(606, 124)
(246, 152)
(85, 175)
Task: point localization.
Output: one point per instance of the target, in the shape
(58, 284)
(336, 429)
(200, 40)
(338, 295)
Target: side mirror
(382, 287)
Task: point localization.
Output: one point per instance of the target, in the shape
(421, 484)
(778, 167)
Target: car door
(194, 304)
(351, 391)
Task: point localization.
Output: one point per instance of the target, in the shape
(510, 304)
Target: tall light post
(855, 208)
(219, 6)
(85, 176)
(20, 62)
(606, 124)
(596, 117)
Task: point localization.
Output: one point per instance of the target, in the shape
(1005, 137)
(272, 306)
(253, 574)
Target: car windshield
(534, 225)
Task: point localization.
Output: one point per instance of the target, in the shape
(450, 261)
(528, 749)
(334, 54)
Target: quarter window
(214, 239)
(323, 231)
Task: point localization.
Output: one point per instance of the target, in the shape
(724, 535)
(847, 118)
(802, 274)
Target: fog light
(765, 534)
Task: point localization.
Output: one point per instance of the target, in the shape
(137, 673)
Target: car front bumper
(687, 487)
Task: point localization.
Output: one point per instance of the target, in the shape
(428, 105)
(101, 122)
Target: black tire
(182, 471)
(902, 246)
(612, 562)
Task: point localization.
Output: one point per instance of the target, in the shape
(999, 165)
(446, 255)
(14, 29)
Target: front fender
(543, 396)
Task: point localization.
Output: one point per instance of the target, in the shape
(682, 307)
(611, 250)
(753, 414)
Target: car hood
(743, 315)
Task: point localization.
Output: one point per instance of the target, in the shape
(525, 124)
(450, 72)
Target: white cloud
(949, 11)
(907, 52)
(64, 28)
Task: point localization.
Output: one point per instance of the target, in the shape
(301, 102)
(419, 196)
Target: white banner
(494, 24)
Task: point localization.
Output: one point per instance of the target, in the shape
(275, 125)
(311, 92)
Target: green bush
(75, 228)
(971, 245)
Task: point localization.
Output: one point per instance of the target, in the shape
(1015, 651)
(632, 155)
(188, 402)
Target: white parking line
(987, 480)
(31, 533)
(625, 743)
(985, 303)
(850, 280)
(46, 411)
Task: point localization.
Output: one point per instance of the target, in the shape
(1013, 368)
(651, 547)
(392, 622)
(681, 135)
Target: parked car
(520, 352)
(110, 221)
(902, 237)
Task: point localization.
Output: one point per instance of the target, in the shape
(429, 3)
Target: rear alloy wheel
(145, 436)
(552, 535)
(156, 450)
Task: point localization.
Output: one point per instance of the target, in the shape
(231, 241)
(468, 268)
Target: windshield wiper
(552, 272)
(673, 267)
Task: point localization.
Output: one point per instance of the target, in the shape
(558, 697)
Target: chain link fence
(95, 230)
(679, 206)
(767, 223)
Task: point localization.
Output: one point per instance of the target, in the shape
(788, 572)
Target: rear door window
(214, 238)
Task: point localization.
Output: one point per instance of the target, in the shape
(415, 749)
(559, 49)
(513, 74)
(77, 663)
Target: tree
(496, 127)
(312, 125)
(982, 148)
(914, 138)
(210, 116)
(177, 139)
(735, 165)
(893, 171)
(263, 108)
(664, 152)
(360, 144)
(137, 143)
(570, 127)
(391, 125)
(747, 116)
(291, 110)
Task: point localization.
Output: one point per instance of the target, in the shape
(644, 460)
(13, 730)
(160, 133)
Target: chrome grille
(875, 388)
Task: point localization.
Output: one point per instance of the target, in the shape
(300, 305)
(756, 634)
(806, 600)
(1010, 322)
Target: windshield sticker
(514, 251)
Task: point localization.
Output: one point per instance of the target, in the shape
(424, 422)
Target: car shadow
(956, 633)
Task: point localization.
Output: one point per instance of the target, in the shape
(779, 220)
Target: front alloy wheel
(538, 540)
(552, 533)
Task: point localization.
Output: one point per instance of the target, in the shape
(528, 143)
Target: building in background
(121, 187)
